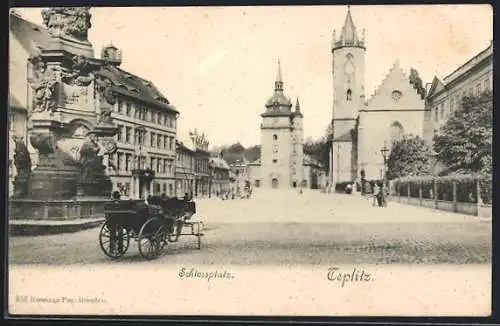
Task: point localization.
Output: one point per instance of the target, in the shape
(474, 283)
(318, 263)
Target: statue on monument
(45, 91)
(22, 159)
(79, 73)
(73, 22)
(90, 158)
(44, 84)
(104, 87)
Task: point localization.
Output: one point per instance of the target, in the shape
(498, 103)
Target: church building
(362, 127)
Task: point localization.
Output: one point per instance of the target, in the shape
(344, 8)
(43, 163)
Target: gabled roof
(436, 86)
(134, 86)
(28, 34)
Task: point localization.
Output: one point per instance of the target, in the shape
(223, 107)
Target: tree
(464, 142)
(318, 150)
(417, 83)
(409, 157)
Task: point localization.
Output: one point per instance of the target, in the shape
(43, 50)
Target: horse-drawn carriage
(153, 224)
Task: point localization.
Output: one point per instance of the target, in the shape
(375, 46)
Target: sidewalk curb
(36, 228)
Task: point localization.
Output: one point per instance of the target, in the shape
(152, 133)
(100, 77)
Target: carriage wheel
(114, 240)
(152, 239)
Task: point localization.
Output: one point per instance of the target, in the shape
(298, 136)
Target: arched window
(275, 137)
(348, 96)
(396, 131)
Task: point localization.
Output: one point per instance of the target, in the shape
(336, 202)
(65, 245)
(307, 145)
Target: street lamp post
(384, 151)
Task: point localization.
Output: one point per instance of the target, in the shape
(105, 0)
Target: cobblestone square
(286, 228)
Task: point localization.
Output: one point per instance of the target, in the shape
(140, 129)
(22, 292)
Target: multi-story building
(147, 122)
(443, 97)
(185, 167)
(202, 164)
(220, 181)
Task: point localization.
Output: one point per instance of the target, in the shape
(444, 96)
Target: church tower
(278, 139)
(348, 70)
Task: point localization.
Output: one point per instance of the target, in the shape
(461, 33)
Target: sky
(217, 65)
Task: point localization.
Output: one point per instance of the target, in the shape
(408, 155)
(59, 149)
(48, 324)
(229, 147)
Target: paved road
(285, 228)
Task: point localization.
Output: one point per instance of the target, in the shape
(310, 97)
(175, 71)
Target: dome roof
(278, 99)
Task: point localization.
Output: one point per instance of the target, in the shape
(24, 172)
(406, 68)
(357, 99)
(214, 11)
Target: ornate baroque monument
(70, 99)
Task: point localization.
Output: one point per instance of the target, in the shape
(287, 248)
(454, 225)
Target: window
(452, 104)
(128, 162)
(119, 134)
(457, 101)
(478, 89)
(397, 131)
(153, 139)
(165, 119)
(442, 110)
(128, 134)
(486, 84)
(171, 143)
(257, 183)
(119, 106)
(164, 188)
(275, 149)
(170, 189)
(158, 141)
(165, 165)
(129, 109)
(436, 112)
(136, 136)
(275, 137)
(119, 159)
(137, 112)
(348, 96)
(159, 167)
(165, 141)
(152, 164)
(158, 120)
(275, 161)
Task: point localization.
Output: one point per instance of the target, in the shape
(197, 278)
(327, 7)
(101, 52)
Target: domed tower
(348, 70)
(111, 54)
(277, 138)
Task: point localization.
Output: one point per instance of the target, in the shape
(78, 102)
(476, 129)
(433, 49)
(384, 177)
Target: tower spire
(349, 34)
(297, 105)
(278, 84)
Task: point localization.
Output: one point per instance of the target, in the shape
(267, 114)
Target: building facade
(444, 96)
(185, 167)
(202, 175)
(147, 128)
(220, 181)
(362, 127)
